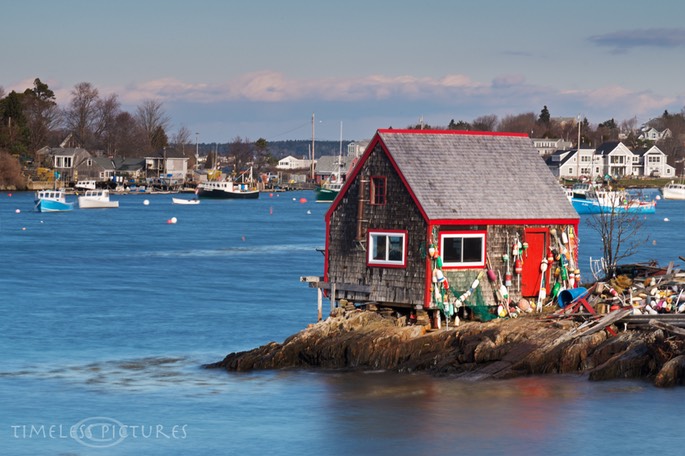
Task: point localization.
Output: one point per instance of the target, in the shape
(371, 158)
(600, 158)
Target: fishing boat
(226, 190)
(610, 201)
(674, 191)
(329, 189)
(243, 188)
(96, 199)
(52, 201)
(184, 201)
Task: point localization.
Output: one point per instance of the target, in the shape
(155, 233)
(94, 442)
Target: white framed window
(387, 248)
(463, 249)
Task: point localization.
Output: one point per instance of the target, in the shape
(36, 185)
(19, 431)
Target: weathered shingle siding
(347, 257)
(488, 177)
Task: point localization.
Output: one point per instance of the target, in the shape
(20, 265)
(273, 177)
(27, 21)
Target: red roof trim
(454, 132)
(507, 222)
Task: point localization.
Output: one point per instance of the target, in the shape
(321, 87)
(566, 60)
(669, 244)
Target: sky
(290, 69)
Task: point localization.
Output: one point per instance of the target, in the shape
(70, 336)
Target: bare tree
(182, 138)
(152, 121)
(126, 136)
(521, 123)
(108, 109)
(240, 151)
(485, 123)
(620, 232)
(81, 115)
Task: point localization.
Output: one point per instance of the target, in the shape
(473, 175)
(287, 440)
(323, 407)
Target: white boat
(96, 199)
(674, 191)
(52, 201)
(85, 185)
(184, 201)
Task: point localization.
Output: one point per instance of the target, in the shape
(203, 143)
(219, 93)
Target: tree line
(32, 119)
(544, 125)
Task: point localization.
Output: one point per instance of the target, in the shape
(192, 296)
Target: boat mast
(313, 152)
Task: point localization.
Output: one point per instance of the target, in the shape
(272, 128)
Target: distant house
(357, 148)
(652, 162)
(329, 164)
(70, 162)
(167, 163)
(616, 159)
(129, 168)
(652, 134)
(291, 162)
(423, 211)
(547, 146)
(574, 164)
(610, 158)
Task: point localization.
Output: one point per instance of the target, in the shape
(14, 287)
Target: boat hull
(183, 201)
(674, 192)
(45, 205)
(592, 206)
(224, 194)
(88, 203)
(325, 195)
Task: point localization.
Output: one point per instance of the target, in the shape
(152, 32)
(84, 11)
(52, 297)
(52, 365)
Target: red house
(425, 213)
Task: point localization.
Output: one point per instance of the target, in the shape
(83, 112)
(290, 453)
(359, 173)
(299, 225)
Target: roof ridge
(453, 132)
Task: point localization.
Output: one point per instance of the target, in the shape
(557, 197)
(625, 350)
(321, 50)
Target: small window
(378, 190)
(387, 248)
(463, 249)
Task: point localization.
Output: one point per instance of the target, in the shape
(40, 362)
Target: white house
(652, 134)
(574, 164)
(617, 160)
(547, 146)
(653, 162)
(291, 162)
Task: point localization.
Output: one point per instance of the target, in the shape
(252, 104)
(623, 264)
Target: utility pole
(578, 154)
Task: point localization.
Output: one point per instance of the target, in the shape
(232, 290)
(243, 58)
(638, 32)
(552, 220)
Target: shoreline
(500, 349)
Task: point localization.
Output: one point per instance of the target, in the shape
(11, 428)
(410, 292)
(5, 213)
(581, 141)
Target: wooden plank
(666, 327)
(341, 286)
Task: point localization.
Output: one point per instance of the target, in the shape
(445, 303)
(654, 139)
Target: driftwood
(596, 325)
(666, 327)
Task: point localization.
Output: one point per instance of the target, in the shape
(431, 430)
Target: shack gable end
(359, 215)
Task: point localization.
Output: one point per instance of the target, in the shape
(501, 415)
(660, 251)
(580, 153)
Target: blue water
(107, 315)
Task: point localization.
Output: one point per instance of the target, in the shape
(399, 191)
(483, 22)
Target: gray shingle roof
(460, 175)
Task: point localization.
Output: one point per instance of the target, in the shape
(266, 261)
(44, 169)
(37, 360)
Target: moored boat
(184, 201)
(52, 201)
(96, 199)
(226, 190)
(606, 202)
(328, 191)
(674, 191)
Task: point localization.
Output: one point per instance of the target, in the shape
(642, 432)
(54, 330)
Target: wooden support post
(332, 296)
(319, 295)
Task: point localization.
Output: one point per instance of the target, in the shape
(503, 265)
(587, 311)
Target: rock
(502, 348)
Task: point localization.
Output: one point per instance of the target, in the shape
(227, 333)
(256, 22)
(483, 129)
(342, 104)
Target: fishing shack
(440, 220)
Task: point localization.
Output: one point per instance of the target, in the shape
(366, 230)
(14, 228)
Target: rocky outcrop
(499, 349)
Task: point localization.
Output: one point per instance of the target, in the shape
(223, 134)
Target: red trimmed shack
(425, 214)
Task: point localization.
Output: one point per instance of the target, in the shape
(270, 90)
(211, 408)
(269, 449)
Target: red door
(537, 239)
